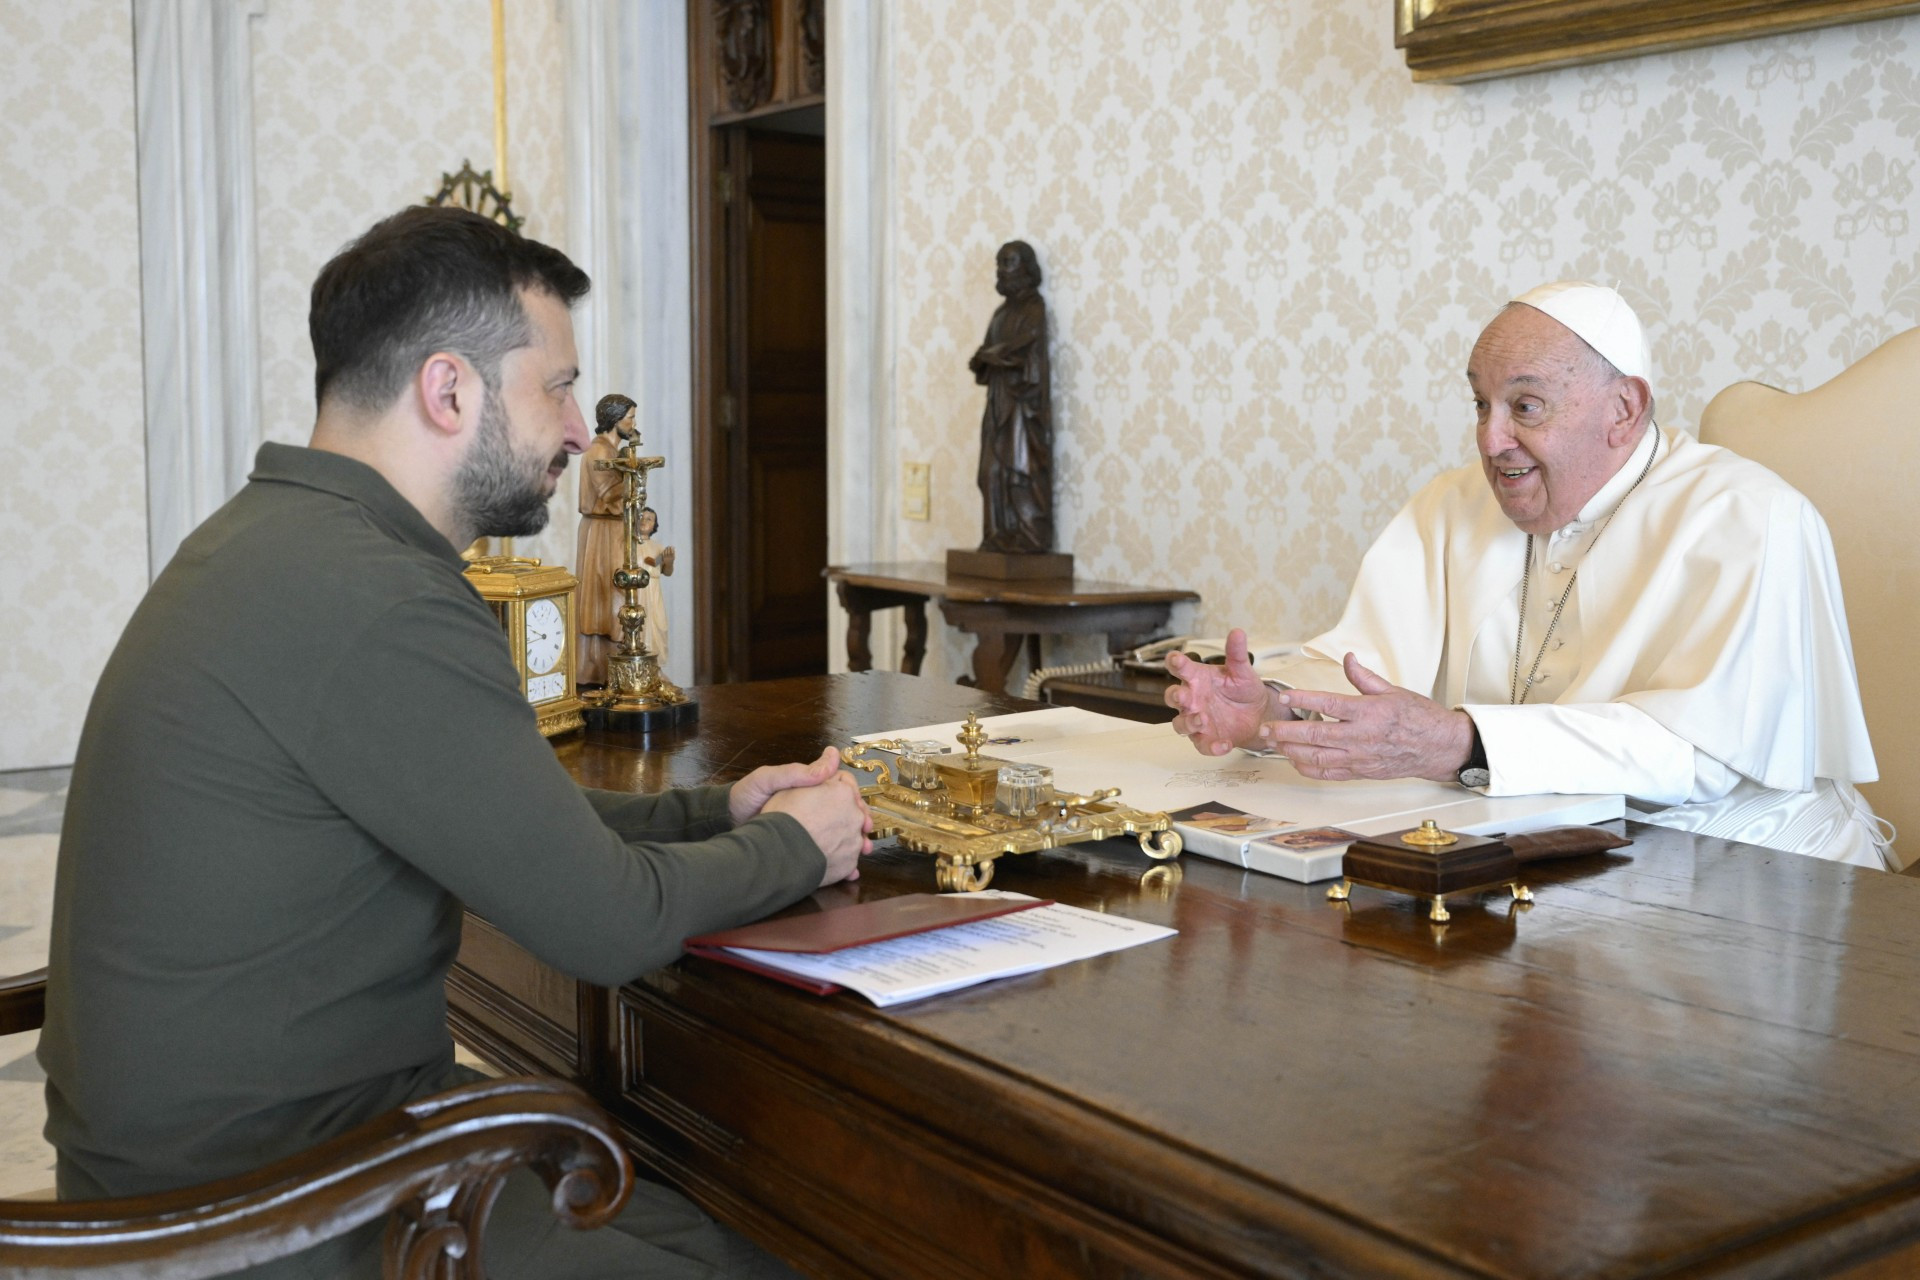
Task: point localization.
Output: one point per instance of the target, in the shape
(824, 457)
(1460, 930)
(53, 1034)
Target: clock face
(546, 636)
(546, 688)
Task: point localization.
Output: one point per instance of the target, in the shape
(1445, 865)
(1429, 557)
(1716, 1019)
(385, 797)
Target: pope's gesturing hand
(1383, 731)
(1221, 707)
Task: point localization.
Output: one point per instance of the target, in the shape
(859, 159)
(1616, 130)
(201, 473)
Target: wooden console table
(1691, 1058)
(1000, 615)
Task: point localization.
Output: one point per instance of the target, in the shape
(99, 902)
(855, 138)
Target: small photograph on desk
(1312, 839)
(1224, 819)
(1267, 845)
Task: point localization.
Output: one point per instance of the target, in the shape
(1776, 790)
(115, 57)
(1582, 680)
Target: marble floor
(31, 804)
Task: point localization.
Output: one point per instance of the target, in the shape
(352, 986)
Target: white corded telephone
(1153, 657)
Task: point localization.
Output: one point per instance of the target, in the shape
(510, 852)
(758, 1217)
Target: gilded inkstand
(968, 810)
(638, 697)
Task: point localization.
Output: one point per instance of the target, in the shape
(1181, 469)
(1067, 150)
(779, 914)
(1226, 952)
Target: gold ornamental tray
(955, 808)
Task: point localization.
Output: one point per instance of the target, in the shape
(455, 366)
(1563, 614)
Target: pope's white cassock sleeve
(1713, 684)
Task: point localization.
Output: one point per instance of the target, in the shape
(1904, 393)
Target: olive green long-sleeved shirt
(307, 752)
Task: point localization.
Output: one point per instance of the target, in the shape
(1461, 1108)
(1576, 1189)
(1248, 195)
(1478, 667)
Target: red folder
(841, 927)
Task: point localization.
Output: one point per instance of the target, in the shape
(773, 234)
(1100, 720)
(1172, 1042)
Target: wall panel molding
(193, 78)
(862, 458)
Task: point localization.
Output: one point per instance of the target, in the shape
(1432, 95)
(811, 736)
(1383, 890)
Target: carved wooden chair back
(431, 1168)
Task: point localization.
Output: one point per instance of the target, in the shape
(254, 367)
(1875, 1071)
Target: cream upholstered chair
(1852, 445)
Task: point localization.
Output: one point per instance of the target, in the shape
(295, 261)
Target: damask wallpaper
(73, 509)
(359, 107)
(1268, 254)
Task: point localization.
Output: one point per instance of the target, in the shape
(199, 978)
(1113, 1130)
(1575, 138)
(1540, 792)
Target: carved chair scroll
(433, 1167)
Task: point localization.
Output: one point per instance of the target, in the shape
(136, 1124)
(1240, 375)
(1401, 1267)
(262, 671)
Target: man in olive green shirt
(309, 750)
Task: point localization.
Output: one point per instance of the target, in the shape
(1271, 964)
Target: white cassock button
(1543, 677)
(1559, 644)
(1556, 567)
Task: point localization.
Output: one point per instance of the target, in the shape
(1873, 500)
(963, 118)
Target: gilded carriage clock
(534, 603)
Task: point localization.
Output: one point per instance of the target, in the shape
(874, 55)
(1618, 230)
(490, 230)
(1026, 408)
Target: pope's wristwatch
(1474, 773)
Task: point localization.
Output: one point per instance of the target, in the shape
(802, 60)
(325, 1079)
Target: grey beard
(492, 488)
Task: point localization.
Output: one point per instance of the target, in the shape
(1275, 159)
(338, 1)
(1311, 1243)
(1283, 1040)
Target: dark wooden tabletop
(1689, 1057)
(925, 577)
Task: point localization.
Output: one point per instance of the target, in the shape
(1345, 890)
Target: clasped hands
(1382, 731)
(820, 798)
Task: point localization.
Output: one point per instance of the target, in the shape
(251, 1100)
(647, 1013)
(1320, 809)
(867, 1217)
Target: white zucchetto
(1601, 318)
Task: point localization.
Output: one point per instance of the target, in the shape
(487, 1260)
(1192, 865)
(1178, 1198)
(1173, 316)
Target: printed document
(941, 960)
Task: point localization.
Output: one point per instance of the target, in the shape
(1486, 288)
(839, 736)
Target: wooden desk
(1693, 1058)
(1001, 615)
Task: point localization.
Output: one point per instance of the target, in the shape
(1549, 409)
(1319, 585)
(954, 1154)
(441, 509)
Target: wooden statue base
(639, 720)
(1010, 566)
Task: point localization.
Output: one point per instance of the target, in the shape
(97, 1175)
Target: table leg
(859, 629)
(993, 655)
(916, 646)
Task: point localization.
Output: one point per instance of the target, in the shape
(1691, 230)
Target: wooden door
(758, 85)
(777, 404)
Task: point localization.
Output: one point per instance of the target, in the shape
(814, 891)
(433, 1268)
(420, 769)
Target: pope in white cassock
(1601, 605)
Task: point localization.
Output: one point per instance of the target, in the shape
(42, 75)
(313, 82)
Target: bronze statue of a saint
(1016, 433)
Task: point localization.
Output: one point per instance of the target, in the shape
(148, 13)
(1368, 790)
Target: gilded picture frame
(1462, 40)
